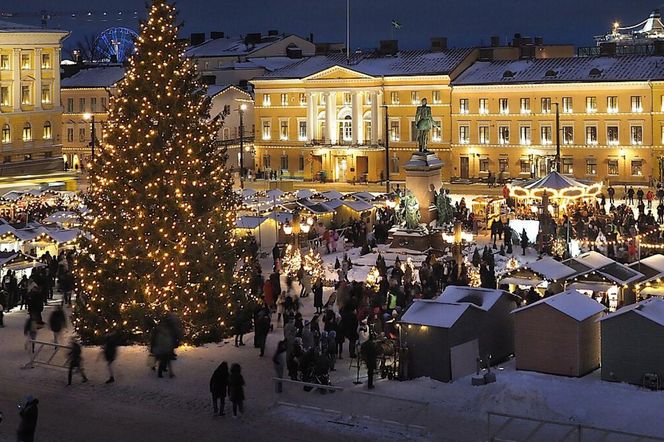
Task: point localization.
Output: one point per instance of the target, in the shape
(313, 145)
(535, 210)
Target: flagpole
(347, 31)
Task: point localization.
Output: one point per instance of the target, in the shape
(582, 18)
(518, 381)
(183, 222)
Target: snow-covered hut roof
(248, 193)
(574, 304)
(274, 193)
(304, 193)
(418, 62)
(97, 77)
(62, 217)
(281, 217)
(332, 195)
(564, 70)
(592, 260)
(13, 195)
(63, 236)
(479, 297)
(366, 196)
(249, 222)
(551, 269)
(434, 314)
(652, 309)
(596, 262)
(359, 206)
(334, 204)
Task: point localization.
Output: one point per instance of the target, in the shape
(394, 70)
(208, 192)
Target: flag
(396, 24)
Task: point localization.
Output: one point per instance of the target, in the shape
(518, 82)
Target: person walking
(76, 361)
(279, 360)
(219, 388)
(262, 328)
(29, 413)
(318, 296)
(110, 352)
(369, 352)
(236, 389)
(162, 349)
(57, 322)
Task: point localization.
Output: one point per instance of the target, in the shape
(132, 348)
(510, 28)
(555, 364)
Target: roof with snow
(359, 206)
(564, 70)
(479, 297)
(651, 267)
(334, 204)
(96, 77)
(275, 193)
(332, 195)
(232, 46)
(281, 217)
(420, 62)
(596, 262)
(304, 193)
(249, 222)
(574, 304)
(367, 196)
(652, 309)
(213, 90)
(434, 314)
(7, 26)
(550, 269)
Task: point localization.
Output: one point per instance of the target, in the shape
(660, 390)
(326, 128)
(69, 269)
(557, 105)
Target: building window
(568, 165)
(26, 95)
(525, 105)
(484, 164)
(7, 159)
(636, 135)
(283, 129)
(591, 166)
(568, 135)
(302, 130)
(70, 134)
(612, 135)
(368, 98)
(637, 105)
(346, 128)
(546, 135)
(394, 97)
(546, 105)
(70, 105)
(637, 167)
(46, 61)
(436, 97)
(26, 61)
(48, 131)
(284, 162)
(267, 130)
(484, 106)
(4, 96)
(266, 161)
(484, 135)
(612, 167)
(504, 135)
(591, 135)
(591, 104)
(568, 105)
(284, 99)
(347, 98)
(503, 164)
(437, 132)
(524, 135)
(46, 93)
(104, 107)
(413, 131)
(612, 104)
(503, 105)
(414, 97)
(266, 99)
(464, 134)
(303, 99)
(300, 163)
(93, 105)
(395, 164)
(4, 62)
(395, 130)
(27, 132)
(81, 105)
(6, 134)
(524, 166)
(463, 106)
(81, 134)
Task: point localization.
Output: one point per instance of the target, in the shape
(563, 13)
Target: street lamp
(91, 118)
(243, 107)
(288, 228)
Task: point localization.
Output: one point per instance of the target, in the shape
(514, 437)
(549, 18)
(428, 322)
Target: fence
(503, 427)
(49, 360)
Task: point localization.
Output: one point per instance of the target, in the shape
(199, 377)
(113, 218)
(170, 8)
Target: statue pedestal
(417, 240)
(422, 177)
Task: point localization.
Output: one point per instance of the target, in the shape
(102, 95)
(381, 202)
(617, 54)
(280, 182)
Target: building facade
(86, 95)
(228, 102)
(30, 110)
(324, 118)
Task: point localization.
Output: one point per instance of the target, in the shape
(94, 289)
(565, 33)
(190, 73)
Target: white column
(17, 80)
(331, 116)
(380, 130)
(38, 79)
(55, 93)
(374, 118)
(311, 116)
(356, 103)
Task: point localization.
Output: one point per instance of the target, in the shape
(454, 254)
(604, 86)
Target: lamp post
(557, 137)
(91, 118)
(241, 109)
(387, 149)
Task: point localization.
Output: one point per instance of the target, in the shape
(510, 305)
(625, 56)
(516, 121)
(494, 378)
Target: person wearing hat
(363, 332)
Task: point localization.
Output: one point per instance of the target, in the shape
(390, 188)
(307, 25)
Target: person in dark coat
(110, 352)
(219, 388)
(370, 353)
(279, 360)
(76, 361)
(236, 389)
(57, 322)
(524, 241)
(349, 326)
(262, 328)
(28, 425)
(318, 296)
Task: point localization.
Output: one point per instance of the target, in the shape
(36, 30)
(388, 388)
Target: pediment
(338, 73)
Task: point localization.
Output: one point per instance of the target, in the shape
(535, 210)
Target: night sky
(464, 22)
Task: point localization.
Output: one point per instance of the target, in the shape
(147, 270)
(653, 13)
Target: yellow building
(30, 99)
(610, 118)
(326, 116)
(86, 95)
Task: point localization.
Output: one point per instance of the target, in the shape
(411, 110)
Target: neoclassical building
(30, 110)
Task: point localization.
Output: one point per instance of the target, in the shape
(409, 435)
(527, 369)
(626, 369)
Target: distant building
(226, 102)
(30, 99)
(84, 95)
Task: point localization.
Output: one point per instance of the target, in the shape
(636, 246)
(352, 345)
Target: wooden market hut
(545, 274)
(559, 335)
(652, 282)
(633, 344)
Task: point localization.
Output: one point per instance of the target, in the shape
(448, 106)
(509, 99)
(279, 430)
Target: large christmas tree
(161, 201)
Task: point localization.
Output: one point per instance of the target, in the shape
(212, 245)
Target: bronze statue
(424, 122)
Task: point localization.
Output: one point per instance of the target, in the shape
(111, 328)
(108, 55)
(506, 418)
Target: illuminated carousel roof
(556, 185)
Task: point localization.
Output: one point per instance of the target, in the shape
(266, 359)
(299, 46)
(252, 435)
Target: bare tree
(87, 48)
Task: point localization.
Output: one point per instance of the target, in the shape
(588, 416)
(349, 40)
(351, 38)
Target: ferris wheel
(116, 44)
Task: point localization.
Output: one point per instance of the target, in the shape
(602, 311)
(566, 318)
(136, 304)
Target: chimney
(244, 84)
(539, 41)
(253, 38)
(486, 54)
(607, 49)
(272, 33)
(389, 47)
(516, 41)
(197, 38)
(495, 41)
(311, 37)
(438, 44)
(216, 35)
(293, 52)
